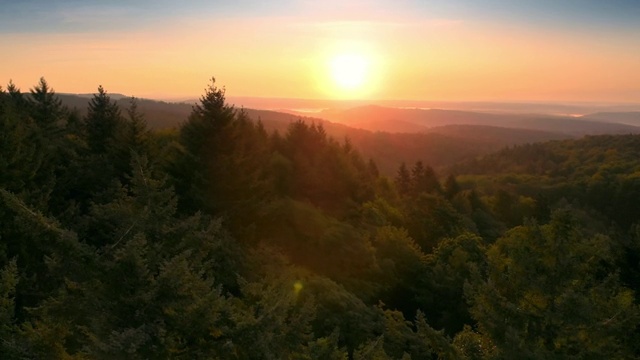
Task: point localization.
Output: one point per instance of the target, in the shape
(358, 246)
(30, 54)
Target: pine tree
(49, 115)
(403, 180)
(373, 168)
(20, 159)
(136, 134)
(553, 291)
(424, 179)
(430, 218)
(158, 286)
(102, 122)
(203, 139)
(221, 162)
(102, 163)
(25, 156)
(9, 343)
(46, 108)
(19, 101)
(451, 187)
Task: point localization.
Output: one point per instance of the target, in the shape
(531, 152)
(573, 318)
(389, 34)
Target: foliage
(550, 292)
(221, 240)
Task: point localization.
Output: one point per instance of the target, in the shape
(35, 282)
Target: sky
(456, 50)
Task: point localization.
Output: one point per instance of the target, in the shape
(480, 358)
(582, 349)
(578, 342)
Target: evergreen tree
(136, 133)
(46, 108)
(102, 163)
(49, 115)
(204, 139)
(25, 156)
(9, 341)
(19, 101)
(373, 168)
(430, 218)
(424, 179)
(451, 187)
(403, 180)
(440, 292)
(157, 281)
(102, 123)
(552, 292)
(20, 158)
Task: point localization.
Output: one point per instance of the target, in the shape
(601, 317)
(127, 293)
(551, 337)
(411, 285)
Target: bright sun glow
(349, 71)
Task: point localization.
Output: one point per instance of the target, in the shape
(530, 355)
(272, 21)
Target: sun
(349, 71)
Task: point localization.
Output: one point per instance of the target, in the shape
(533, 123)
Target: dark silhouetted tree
(46, 108)
(424, 179)
(102, 123)
(451, 187)
(403, 180)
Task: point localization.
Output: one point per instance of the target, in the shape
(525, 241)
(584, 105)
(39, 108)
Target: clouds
(90, 16)
(66, 16)
(72, 16)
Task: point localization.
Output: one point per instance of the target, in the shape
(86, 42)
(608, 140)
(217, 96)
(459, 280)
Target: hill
(233, 241)
(391, 136)
(378, 118)
(314, 105)
(629, 118)
(598, 172)
(159, 114)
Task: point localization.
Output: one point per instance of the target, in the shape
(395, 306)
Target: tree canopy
(222, 240)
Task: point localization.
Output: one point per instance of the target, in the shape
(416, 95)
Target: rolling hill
(378, 118)
(391, 136)
(629, 118)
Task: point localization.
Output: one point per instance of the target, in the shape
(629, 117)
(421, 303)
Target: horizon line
(185, 99)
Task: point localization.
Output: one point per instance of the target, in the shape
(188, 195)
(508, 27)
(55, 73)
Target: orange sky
(409, 57)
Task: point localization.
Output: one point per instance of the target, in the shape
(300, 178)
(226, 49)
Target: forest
(226, 239)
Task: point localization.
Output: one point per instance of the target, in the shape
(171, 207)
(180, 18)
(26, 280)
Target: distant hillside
(161, 114)
(594, 158)
(392, 126)
(598, 173)
(114, 96)
(439, 146)
(377, 118)
(493, 134)
(158, 114)
(579, 108)
(629, 118)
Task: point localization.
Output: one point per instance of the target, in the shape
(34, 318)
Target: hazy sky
(544, 50)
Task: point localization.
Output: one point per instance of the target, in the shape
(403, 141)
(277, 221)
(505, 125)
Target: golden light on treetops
(297, 287)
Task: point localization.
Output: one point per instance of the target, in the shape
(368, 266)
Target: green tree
(10, 342)
(403, 180)
(16, 96)
(451, 187)
(220, 163)
(136, 132)
(157, 281)
(440, 293)
(48, 114)
(20, 155)
(424, 179)
(402, 267)
(431, 218)
(102, 123)
(553, 292)
(46, 108)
